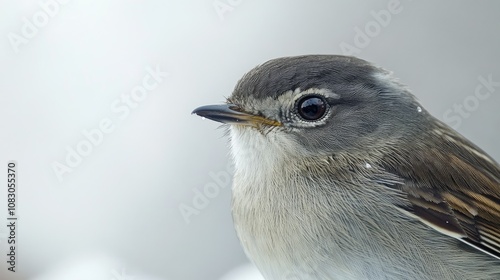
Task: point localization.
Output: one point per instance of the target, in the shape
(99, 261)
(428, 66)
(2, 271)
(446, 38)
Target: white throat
(256, 155)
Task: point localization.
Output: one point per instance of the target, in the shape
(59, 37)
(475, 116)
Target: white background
(116, 215)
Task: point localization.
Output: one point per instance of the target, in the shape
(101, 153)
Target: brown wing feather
(453, 186)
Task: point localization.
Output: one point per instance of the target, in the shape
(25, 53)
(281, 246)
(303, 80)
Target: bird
(340, 173)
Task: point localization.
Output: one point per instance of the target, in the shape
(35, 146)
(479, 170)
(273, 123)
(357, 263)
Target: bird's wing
(454, 188)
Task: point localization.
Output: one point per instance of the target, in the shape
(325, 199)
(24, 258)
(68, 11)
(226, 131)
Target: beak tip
(198, 111)
(223, 113)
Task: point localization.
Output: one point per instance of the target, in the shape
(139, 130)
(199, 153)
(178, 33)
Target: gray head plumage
(365, 102)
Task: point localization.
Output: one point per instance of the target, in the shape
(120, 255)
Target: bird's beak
(232, 114)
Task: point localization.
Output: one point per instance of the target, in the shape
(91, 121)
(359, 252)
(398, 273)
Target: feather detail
(452, 186)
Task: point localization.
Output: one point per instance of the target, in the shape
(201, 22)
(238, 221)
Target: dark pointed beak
(232, 114)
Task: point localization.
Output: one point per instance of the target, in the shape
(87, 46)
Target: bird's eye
(311, 108)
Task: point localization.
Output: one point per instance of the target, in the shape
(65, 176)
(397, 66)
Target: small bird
(340, 173)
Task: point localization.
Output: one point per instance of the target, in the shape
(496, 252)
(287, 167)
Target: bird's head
(317, 105)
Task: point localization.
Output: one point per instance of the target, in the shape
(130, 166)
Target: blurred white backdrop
(116, 180)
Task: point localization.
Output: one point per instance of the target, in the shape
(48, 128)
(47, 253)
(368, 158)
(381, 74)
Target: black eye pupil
(312, 108)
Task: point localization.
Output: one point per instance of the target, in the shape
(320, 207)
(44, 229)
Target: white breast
(273, 224)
